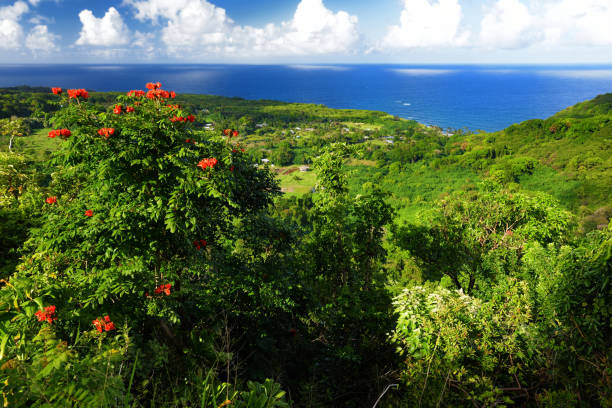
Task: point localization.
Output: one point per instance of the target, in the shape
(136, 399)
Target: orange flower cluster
(189, 118)
(106, 132)
(89, 213)
(60, 132)
(231, 132)
(158, 94)
(78, 93)
(163, 289)
(205, 163)
(173, 107)
(129, 109)
(51, 200)
(153, 86)
(105, 324)
(117, 110)
(48, 314)
(57, 91)
(136, 93)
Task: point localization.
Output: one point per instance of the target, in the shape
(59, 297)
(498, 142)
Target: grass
(414, 187)
(294, 182)
(38, 146)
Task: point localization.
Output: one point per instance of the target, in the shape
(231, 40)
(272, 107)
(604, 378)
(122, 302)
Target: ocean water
(460, 96)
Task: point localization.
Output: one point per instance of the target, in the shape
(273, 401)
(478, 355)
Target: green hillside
(219, 252)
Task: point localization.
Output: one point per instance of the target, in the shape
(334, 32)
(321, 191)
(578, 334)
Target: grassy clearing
(38, 146)
(295, 182)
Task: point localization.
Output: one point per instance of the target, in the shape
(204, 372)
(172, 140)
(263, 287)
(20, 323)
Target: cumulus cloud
(14, 12)
(41, 40)
(508, 25)
(427, 24)
(511, 24)
(198, 26)
(109, 30)
(578, 22)
(11, 32)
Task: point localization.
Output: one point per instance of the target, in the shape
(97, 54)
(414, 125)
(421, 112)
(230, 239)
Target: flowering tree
(137, 243)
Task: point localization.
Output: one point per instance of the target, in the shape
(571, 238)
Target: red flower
(234, 151)
(235, 133)
(48, 314)
(117, 110)
(57, 91)
(136, 93)
(105, 324)
(89, 213)
(173, 94)
(163, 289)
(60, 132)
(98, 325)
(191, 118)
(129, 109)
(227, 132)
(187, 140)
(106, 132)
(51, 200)
(152, 86)
(231, 168)
(205, 163)
(78, 93)
(200, 244)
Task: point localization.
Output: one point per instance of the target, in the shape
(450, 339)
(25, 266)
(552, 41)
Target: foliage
(464, 351)
(149, 259)
(474, 237)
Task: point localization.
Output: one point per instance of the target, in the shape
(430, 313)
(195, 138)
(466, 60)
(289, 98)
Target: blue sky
(306, 31)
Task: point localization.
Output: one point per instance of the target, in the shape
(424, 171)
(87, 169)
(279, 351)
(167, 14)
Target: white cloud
(508, 25)
(578, 22)
(109, 30)
(511, 24)
(38, 19)
(11, 32)
(14, 12)
(198, 26)
(427, 24)
(41, 40)
(316, 29)
(34, 2)
(422, 71)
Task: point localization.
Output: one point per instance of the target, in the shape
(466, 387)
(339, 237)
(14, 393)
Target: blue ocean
(476, 97)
